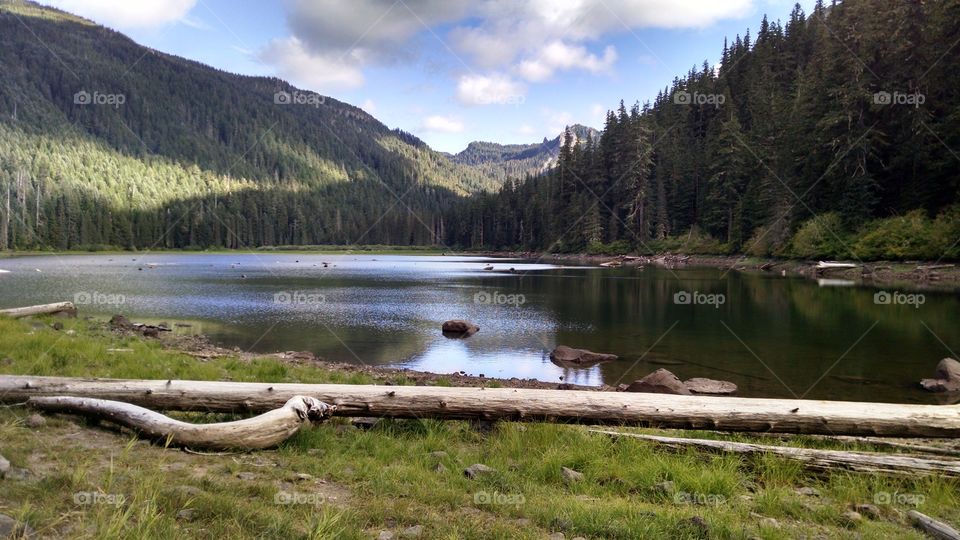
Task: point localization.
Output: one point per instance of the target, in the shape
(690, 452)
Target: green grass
(385, 478)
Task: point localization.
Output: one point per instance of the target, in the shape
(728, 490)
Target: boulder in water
(660, 381)
(457, 328)
(947, 379)
(568, 356)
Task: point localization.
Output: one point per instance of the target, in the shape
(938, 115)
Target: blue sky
(450, 71)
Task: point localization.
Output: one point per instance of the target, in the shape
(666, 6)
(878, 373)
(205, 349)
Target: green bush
(902, 237)
(819, 237)
(619, 247)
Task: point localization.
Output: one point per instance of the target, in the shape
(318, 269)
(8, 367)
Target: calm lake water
(773, 336)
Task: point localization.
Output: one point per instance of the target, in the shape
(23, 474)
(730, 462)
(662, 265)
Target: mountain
(104, 141)
(502, 161)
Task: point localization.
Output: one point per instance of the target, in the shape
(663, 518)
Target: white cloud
(489, 89)
(442, 124)
(317, 72)
(525, 129)
(557, 55)
(128, 13)
(369, 106)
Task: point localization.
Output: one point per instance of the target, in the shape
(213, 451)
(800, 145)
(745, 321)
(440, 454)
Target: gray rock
(20, 474)
(4, 467)
(770, 522)
(947, 379)
(439, 454)
(187, 514)
(302, 477)
(439, 468)
(571, 475)
(386, 535)
(807, 492)
(852, 516)
(11, 528)
(478, 469)
(412, 532)
(247, 476)
(660, 381)
(35, 421)
(665, 487)
(364, 422)
(869, 510)
(700, 385)
(557, 536)
(565, 356)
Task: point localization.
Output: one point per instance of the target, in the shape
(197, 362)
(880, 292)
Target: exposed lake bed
(773, 336)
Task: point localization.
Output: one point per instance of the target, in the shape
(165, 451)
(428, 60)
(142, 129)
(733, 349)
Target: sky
(451, 71)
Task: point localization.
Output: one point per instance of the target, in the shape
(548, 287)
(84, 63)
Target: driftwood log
(934, 528)
(264, 431)
(43, 309)
(821, 460)
(685, 412)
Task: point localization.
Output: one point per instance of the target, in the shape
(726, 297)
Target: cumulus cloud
(442, 124)
(532, 40)
(557, 55)
(496, 88)
(127, 13)
(294, 62)
(369, 105)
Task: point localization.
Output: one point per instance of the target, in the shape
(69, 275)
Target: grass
(93, 482)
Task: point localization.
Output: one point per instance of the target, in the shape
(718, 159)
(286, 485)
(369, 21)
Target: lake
(773, 336)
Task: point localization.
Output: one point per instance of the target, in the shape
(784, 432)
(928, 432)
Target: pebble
(571, 475)
(478, 469)
(412, 532)
(11, 528)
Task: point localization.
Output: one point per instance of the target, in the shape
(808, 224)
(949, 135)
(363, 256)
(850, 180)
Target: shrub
(819, 237)
(902, 237)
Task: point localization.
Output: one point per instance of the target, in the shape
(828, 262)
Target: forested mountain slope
(504, 161)
(833, 134)
(103, 141)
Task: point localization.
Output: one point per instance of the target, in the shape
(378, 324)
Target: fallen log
(821, 460)
(43, 309)
(684, 412)
(264, 431)
(933, 527)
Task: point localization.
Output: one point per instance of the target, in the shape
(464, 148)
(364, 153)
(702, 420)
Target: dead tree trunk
(661, 410)
(823, 460)
(264, 431)
(43, 309)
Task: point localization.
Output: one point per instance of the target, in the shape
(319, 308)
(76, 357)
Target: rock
(439, 454)
(11, 528)
(35, 421)
(571, 475)
(439, 468)
(852, 516)
(57, 326)
(4, 467)
(412, 532)
(151, 331)
(869, 510)
(807, 492)
(457, 328)
(301, 355)
(188, 491)
(557, 536)
(665, 487)
(700, 385)
(247, 476)
(386, 535)
(566, 356)
(523, 522)
(478, 469)
(948, 377)
(364, 422)
(187, 514)
(302, 477)
(119, 322)
(20, 474)
(770, 522)
(660, 381)
(700, 524)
